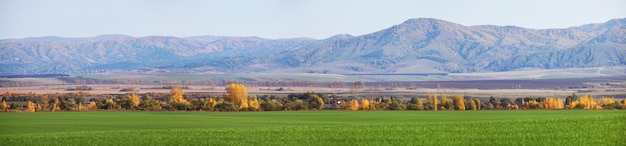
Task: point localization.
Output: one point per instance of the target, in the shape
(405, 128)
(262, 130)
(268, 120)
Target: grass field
(545, 127)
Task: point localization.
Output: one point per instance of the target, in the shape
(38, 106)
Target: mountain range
(422, 45)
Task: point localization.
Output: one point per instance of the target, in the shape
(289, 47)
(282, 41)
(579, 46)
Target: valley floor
(533, 127)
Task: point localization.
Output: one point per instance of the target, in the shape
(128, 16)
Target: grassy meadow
(540, 127)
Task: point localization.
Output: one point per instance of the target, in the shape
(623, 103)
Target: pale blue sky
(282, 18)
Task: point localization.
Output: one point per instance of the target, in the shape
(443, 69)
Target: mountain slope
(420, 45)
(472, 49)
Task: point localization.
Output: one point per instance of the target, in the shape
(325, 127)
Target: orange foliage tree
(212, 103)
(4, 106)
(446, 103)
(30, 106)
(92, 106)
(553, 103)
(134, 100)
(352, 105)
(585, 102)
(366, 104)
(420, 104)
(606, 102)
(472, 104)
(253, 104)
(459, 104)
(236, 93)
(176, 99)
(243, 104)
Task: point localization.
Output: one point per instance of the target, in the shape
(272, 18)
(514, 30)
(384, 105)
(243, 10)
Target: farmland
(532, 127)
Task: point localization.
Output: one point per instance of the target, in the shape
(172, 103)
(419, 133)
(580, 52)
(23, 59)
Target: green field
(545, 127)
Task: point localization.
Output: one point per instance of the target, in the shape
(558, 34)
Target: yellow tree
(4, 106)
(586, 102)
(253, 104)
(559, 103)
(606, 101)
(353, 105)
(365, 104)
(55, 105)
(236, 93)
(432, 101)
(134, 100)
(459, 104)
(420, 104)
(92, 106)
(472, 104)
(549, 103)
(176, 99)
(244, 104)
(532, 104)
(445, 103)
(212, 103)
(30, 106)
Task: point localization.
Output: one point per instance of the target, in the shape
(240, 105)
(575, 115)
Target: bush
(397, 106)
(226, 107)
(151, 105)
(269, 106)
(411, 107)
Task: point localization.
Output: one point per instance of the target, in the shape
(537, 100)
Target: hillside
(421, 45)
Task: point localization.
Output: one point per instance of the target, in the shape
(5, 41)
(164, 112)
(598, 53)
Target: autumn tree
(367, 104)
(30, 106)
(55, 105)
(585, 102)
(131, 101)
(607, 102)
(253, 104)
(532, 104)
(212, 103)
(4, 106)
(472, 104)
(176, 100)
(446, 103)
(244, 104)
(459, 104)
(236, 93)
(352, 105)
(552, 103)
(92, 106)
(432, 101)
(134, 100)
(108, 104)
(479, 104)
(420, 104)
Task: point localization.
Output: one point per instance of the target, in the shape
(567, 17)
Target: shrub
(226, 107)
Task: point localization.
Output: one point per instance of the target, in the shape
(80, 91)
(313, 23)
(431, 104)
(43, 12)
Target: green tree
(315, 102)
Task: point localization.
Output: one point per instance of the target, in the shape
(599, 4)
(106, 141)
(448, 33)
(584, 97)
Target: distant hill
(421, 45)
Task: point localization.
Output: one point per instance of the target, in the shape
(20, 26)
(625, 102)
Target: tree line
(236, 98)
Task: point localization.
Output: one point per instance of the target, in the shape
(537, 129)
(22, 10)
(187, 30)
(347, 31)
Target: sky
(277, 19)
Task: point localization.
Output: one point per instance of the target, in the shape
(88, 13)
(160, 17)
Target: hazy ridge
(421, 45)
